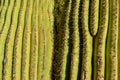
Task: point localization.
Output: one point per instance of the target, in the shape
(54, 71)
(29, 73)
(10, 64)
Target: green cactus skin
(45, 39)
(49, 41)
(74, 39)
(93, 16)
(3, 35)
(26, 42)
(87, 42)
(1, 5)
(41, 41)
(59, 39)
(18, 43)
(100, 42)
(119, 45)
(34, 42)
(2, 14)
(112, 42)
(7, 68)
(62, 12)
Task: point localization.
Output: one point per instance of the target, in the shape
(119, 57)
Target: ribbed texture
(59, 39)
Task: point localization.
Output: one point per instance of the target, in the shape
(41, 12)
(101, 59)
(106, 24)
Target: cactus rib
(7, 68)
(100, 42)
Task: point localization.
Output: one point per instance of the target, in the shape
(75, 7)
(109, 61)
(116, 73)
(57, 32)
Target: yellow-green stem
(9, 45)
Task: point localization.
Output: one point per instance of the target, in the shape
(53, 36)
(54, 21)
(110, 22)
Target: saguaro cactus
(59, 39)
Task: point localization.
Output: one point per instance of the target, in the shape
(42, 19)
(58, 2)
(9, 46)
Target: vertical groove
(18, 43)
(62, 10)
(49, 41)
(99, 42)
(74, 39)
(87, 42)
(41, 41)
(3, 14)
(119, 44)
(34, 42)
(112, 37)
(1, 5)
(59, 39)
(3, 32)
(47, 38)
(7, 68)
(80, 42)
(26, 42)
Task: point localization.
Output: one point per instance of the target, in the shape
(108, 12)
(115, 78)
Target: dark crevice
(89, 17)
(61, 14)
(55, 31)
(72, 29)
(0, 2)
(93, 59)
(6, 41)
(1, 31)
(23, 39)
(81, 42)
(94, 43)
(70, 41)
(14, 51)
(108, 44)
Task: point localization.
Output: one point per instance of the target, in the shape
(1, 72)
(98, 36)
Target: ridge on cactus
(59, 39)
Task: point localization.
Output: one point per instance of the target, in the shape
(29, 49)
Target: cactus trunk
(59, 39)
